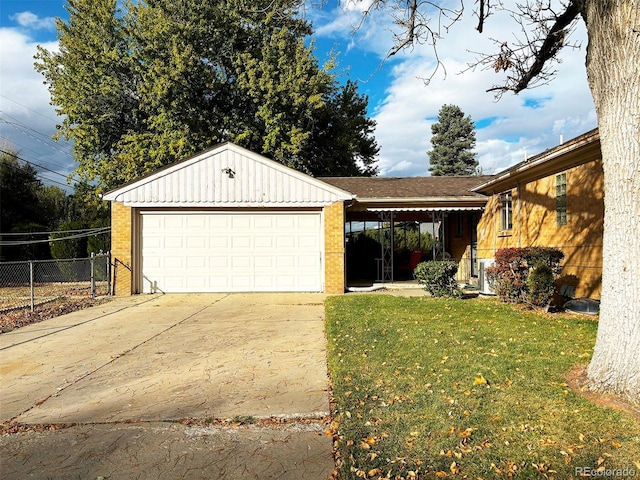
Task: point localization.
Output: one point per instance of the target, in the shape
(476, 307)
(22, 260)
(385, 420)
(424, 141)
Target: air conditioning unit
(483, 284)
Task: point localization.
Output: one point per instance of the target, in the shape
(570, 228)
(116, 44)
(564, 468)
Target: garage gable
(227, 176)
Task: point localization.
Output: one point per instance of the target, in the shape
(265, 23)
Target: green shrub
(438, 278)
(540, 286)
(510, 277)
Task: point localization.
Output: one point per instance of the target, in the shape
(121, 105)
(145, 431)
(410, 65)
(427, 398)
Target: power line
(44, 179)
(11, 154)
(55, 232)
(12, 141)
(24, 128)
(10, 243)
(24, 106)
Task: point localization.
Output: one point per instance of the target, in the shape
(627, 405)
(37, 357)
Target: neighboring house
(555, 199)
(229, 220)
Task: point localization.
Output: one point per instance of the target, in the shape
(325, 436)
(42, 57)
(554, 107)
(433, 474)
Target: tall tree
(453, 140)
(613, 63)
(20, 209)
(141, 84)
(342, 132)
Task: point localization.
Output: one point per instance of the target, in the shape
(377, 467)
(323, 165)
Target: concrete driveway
(123, 373)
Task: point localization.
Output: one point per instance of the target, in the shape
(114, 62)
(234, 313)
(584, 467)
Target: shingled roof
(408, 187)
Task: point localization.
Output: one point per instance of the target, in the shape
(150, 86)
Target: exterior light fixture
(229, 172)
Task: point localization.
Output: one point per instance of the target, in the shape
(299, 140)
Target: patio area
(387, 250)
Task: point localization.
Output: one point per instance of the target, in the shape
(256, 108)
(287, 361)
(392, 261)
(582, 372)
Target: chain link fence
(31, 283)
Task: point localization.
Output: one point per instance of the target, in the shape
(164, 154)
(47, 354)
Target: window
(561, 199)
(506, 214)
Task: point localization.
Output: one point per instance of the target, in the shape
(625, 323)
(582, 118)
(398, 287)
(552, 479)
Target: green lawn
(430, 388)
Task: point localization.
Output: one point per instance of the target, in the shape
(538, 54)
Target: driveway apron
(128, 373)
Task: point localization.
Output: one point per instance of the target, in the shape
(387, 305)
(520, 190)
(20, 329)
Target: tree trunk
(613, 69)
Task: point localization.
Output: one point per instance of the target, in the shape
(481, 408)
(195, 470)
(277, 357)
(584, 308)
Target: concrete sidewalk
(123, 372)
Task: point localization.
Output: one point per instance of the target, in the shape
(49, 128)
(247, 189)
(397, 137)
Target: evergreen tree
(453, 140)
(142, 84)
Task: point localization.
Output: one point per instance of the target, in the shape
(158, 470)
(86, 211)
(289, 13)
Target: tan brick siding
(534, 224)
(334, 264)
(121, 248)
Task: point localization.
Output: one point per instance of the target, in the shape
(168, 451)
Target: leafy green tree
(142, 84)
(342, 133)
(63, 247)
(19, 207)
(54, 203)
(453, 140)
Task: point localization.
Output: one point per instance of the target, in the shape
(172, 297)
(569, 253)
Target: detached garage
(228, 220)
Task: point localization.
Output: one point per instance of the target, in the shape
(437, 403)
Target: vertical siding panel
(201, 181)
(220, 181)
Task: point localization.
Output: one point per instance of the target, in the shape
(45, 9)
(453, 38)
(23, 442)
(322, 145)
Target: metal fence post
(31, 285)
(93, 278)
(107, 259)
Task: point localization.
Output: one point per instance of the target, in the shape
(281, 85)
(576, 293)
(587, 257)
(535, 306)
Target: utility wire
(44, 179)
(56, 232)
(30, 109)
(25, 129)
(12, 141)
(11, 154)
(57, 239)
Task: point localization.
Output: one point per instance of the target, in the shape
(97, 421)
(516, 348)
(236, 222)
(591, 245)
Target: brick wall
(334, 275)
(534, 224)
(121, 245)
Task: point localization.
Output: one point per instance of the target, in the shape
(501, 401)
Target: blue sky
(403, 106)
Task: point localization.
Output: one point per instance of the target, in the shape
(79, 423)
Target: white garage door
(232, 252)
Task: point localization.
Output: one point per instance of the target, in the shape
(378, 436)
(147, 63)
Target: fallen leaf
(480, 380)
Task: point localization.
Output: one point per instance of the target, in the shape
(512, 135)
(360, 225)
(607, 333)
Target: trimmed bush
(540, 286)
(525, 275)
(508, 276)
(438, 278)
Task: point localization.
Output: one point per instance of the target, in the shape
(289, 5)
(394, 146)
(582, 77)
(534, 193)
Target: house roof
(227, 176)
(411, 194)
(572, 153)
(390, 188)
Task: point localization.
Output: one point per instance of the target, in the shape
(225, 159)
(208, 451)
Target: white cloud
(32, 21)
(521, 125)
(27, 120)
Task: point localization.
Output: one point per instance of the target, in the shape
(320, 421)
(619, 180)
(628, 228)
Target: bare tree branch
(530, 60)
(553, 42)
